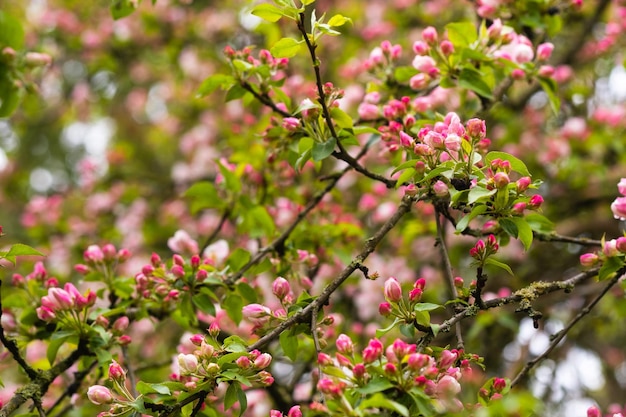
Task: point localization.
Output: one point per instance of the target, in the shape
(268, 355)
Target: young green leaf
(286, 48)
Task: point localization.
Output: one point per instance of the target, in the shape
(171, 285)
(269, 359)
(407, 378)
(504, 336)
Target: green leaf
(479, 192)
(610, 266)
(407, 164)
(473, 80)
(235, 92)
(289, 345)
(341, 118)
(509, 226)
(461, 34)
(53, 347)
(491, 261)
(476, 211)
(524, 231)
(516, 164)
(9, 96)
(238, 258)
(406, 175)
(539, 223)
(233, 304)
(379, 400)
(404, 74)
(11, 34)
(435, 328)
(550, 87)
(145, 388)
(231, 180)
(286, 48)
(230, 358)
(231, 396)
(323, 150)
(381, 332)
(377, 384)
(19, 249)
(123, 8)
(204, 303)
(268, 12)
(338, 20)
(214, 82)
(235, 343)
(203, 195)
(426, 307)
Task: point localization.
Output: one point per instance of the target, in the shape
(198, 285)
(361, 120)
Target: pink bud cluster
(159, 282)
(618, 206)
(482, 250)
(66, 306)
(294, 411)
(102, 259)
(382, 57)
(264, 57)
(39, 273)
(396, 305)
(400, 364)
(202, 364)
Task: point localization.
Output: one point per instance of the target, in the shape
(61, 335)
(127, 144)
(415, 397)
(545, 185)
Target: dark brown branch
(370, 244)
(218, 228)
(264, 98)
(556, 339)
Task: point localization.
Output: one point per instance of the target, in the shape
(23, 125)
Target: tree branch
(556, 339)
(370, 244)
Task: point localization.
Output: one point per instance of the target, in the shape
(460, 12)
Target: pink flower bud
(518, 74)
(188, 363)
(265, 378)
(499, 384)
(109, 251)
(214, 330)
(440, 189)
(116, 372)
(124, 340)
(417, 361)
(243, 362)
(384, 309)
(99, 395)
(93, 254)
(275, 413)
(255, 311)
(495, 30)
(618, 207)
(523, 184)
(546, 71)
(324, 360)
(359, 370)
(446, 47)
(45, 313)
(373, 351)
(81, 269)
(430, 35)
(61, 299)
(263, 361)
(121, 324)
(420, 48)
(178, 271)
(535, 201)
(206, 350)
(291, 124)
(594, 411)
(476, 128)
(447, 358)
(610, 248)
(294, 411)
(201, 275)
(420, 283)
(418, 81)
(544, 51)
(390, 368)
(621, 186)
(197, 339)
(368, 111)
(343, 361)
(415, 295)
(344, 344)
(281, 287)
(518, 208)
(123, 255)
(501, 179)
(36, 59)
(393, 291)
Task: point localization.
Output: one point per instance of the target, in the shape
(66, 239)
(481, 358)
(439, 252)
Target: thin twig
(556, 339)
(445, 259)
(217, 229)
(370, 244)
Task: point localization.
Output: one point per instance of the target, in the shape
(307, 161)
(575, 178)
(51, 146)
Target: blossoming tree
(293, 208)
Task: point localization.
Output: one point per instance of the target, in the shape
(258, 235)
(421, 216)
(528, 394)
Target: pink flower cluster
(618, 207)
(482, 250)
(400, 364)
(66, 305)
(158, 281)
(396, 306)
